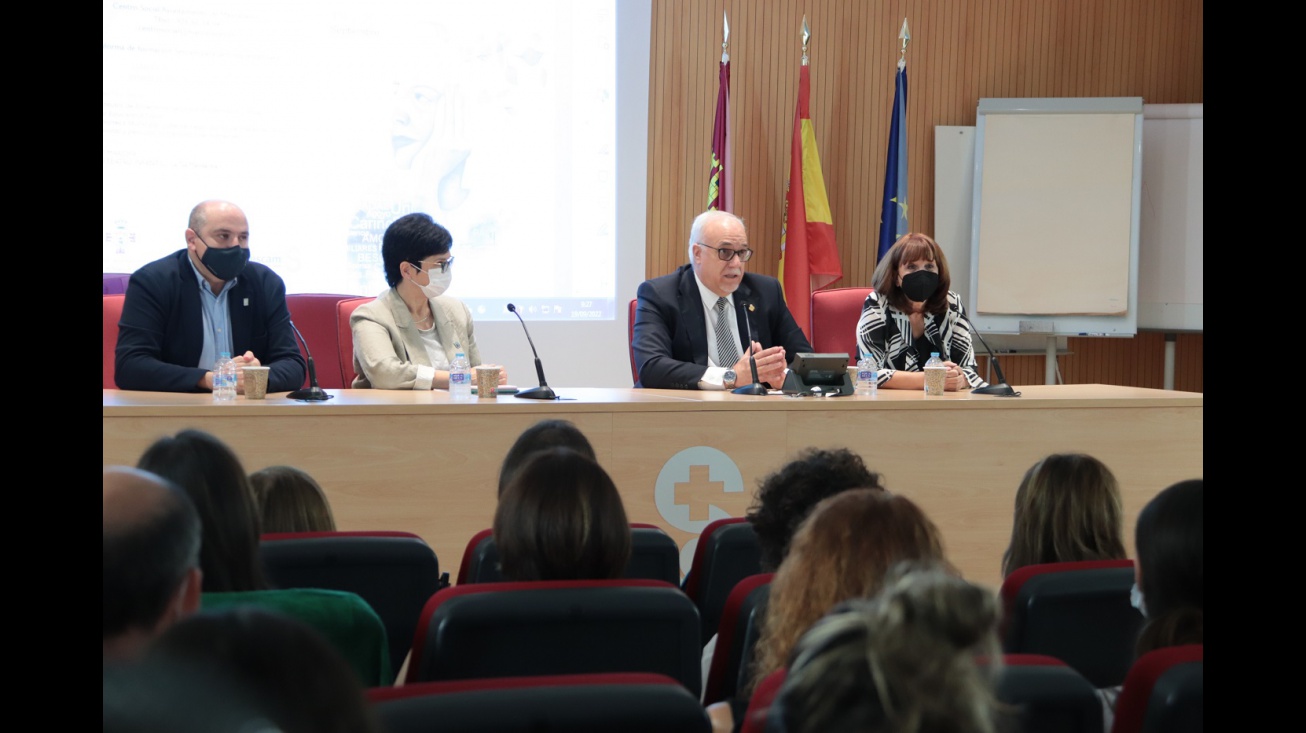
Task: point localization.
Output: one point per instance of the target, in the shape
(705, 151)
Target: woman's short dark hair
(1168, 538)
(541, 435)
(909, 248)
(411, 238)
(211, 475)
(561, 518)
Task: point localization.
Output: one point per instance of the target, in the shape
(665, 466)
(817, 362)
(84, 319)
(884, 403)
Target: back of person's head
(1168, 538)
(902, 661)
(842, 551)
(786, 497)
(153, 695)
(289, 500)
(561, 518)
(291, 672)
(541, 435)
(151, 557)
(211, 475)
(1067, 510)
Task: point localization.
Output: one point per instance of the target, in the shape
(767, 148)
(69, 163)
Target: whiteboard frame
(1125, 324)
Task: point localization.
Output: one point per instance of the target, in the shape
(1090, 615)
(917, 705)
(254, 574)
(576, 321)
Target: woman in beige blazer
(407, 337)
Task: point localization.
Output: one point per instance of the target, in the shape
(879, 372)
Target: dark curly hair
(785, 498)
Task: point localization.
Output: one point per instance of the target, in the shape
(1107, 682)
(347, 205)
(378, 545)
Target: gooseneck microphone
(756, 388)
(313, 393)
(1001, 389)
(542, 392)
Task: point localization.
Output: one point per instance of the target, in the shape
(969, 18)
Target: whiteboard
(1055, 216)
(1170, 227)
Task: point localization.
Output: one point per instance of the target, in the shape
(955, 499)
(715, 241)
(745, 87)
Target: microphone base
(312, 394)
(542, 392)
(756, 388)
(1001, 390)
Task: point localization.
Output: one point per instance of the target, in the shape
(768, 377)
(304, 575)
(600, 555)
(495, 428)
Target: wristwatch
(728, 379)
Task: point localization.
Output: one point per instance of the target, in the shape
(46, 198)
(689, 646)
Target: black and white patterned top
(885, 332)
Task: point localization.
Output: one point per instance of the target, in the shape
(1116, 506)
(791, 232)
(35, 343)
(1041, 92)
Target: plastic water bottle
(867, 374)
(460, 375)
(224, 378)
(936, 376)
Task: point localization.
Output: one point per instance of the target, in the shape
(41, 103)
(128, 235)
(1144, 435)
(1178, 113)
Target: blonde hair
(289, 500)
(1067, 510)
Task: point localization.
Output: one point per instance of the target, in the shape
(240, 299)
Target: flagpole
(893, 202)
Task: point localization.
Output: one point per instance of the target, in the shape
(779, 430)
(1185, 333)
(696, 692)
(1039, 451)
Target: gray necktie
(726, 348)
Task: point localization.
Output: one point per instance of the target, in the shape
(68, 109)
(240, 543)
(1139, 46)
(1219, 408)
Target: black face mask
(920, 285)
(225, 264)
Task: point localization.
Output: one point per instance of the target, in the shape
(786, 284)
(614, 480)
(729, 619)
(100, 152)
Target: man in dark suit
(180, 312)
(689, 327)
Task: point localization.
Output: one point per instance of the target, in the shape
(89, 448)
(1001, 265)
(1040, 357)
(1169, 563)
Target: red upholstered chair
(631, 702)
(314, 315)
(116, 282)
(760, 702)
(344, 309)
(1162, 692)
(736, 637)
(112, 312)
(653, 555)
(727, 552)
(834, 320)
(1042, 693)
(630, 340)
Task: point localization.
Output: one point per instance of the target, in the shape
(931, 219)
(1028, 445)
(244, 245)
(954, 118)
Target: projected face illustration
(414, 120)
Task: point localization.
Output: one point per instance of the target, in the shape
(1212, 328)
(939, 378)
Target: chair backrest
(630, 340)
(1162, 692)
(835, 313)
(1078, 612)
(395, 572)
(737, 637)
(116, 282)
(654, 555)
(557, 627)
(760, 703)
(727, 552)
(586, 703)
(1044, 694)
(344, 309)
(314, 314)
(112, 313)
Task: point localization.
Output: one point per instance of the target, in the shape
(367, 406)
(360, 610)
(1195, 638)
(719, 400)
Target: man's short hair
(146, 559)
(411, 238)
(700, 223)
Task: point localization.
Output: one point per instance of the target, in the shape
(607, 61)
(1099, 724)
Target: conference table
(420, 462)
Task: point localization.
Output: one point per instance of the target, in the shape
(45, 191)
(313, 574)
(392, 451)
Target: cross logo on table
(690, 483)
(698, 492)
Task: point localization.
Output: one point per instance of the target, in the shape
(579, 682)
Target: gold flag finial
(725, 37)
(807, 34)
(905, 35)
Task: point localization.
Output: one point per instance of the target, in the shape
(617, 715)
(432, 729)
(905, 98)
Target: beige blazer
(388, 350)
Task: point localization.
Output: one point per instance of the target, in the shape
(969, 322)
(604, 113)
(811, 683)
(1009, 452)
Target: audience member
(1067, 510)
(290, 500)
(689, 331)
(211, 474)
(902, 662)
(150, 695)
(541, 435)
(561, 518)
(1168, 537)
(151, 559)
(288, 669)
(409, 335)
(183, 310)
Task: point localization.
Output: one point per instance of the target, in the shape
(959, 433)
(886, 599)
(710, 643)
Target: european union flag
(893, 209)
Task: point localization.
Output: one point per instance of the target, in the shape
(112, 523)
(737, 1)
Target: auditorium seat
(834, 317)
(630, 340)
(1044, 694)
(1078, 612)
(557, 627)
(344, 309)
(760, 703)
(1162, 692)
(395, 572)
(727, 552)
(116, 282)
(112, 313)
(654, 555)
(315, 315)
(584, 703)
(736, 638)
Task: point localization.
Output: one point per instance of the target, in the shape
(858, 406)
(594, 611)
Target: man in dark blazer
(181, 311)
(689, 326)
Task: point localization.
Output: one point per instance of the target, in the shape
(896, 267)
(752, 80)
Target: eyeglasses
(443, 266)
(727, 254)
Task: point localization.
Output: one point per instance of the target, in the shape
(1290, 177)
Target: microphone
(314, 393)
(756, 388)
(541, 392)
(1001, 389)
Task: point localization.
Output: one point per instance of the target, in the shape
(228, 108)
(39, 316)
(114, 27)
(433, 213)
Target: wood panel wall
(960, 51)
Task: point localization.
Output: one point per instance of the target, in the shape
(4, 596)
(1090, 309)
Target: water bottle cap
(934, 353)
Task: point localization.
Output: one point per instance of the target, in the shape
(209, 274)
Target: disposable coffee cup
(487, 381)
(256, 382)
(936, 381)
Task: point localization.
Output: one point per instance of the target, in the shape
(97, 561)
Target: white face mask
(439, 282)
(1136, 600)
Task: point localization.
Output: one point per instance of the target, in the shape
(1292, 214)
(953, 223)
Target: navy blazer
(670, 339)
(161, 332)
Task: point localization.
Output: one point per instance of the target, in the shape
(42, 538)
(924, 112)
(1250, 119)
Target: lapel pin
(751, 308)
(246, 302)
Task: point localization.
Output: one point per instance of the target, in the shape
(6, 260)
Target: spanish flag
(809, 259)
